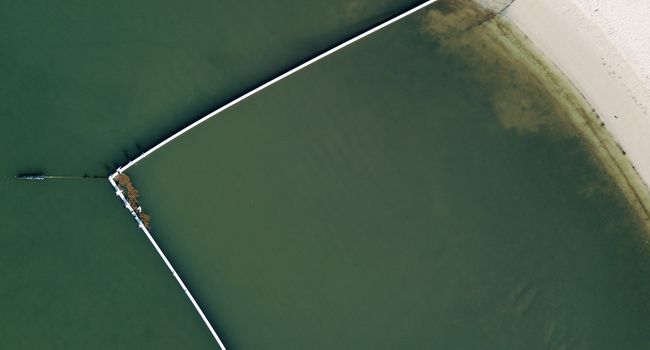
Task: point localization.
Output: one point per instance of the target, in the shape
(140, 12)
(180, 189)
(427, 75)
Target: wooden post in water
(41, 177)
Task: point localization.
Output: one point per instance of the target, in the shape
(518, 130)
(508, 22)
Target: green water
(393, 197)
(85, 86)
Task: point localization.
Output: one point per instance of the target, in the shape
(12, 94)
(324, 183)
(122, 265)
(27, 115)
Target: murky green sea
(410, 192)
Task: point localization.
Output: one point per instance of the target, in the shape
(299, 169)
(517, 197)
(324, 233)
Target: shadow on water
(126, 155)
(197, 112)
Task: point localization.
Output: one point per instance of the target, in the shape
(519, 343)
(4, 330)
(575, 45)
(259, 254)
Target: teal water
(401, 195)
(86, 86)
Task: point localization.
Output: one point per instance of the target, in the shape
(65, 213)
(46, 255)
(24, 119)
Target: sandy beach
(598, 46)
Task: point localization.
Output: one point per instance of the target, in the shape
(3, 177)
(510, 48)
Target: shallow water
(86, 86)
(392, 197)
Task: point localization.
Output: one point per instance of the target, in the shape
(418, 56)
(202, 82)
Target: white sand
(627, 24)
(603, 47)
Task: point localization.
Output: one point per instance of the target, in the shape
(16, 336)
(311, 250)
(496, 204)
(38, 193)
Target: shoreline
(579, 51)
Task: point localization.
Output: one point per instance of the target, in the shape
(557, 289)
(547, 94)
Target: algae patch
(126, 185)
(526, 93)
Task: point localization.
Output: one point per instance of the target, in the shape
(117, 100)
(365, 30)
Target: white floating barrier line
(275, 80)
(286, 74)
(144, 229)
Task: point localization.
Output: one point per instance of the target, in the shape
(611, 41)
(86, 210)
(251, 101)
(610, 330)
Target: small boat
(31, 177)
